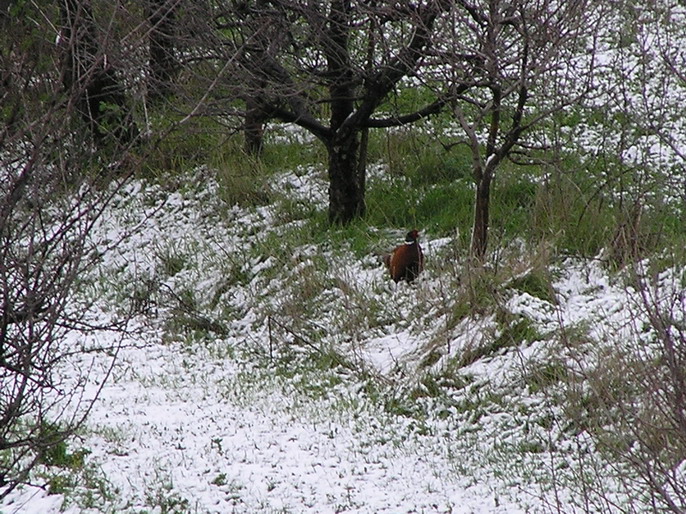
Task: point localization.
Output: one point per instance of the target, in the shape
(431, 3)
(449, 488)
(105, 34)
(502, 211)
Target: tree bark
(346, 197)
(253, 129)
(346, 192)
(481, 216)
(100, 97)
(163, 64)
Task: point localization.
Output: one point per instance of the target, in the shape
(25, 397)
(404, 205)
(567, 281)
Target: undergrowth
(319, 301)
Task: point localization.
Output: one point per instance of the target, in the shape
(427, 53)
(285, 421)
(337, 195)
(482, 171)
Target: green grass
(445, 209)
(515, 331)
(438, 208)
(537, 283)
(577, 221)
(244, 181)
(54, 448)
(290, 153)
(546, 375)
(310, 307)
(419, 157)
(429, 186)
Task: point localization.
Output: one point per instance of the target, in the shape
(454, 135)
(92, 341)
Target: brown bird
(407, 260)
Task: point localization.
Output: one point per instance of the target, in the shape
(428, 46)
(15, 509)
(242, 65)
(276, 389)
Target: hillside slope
(274, 368)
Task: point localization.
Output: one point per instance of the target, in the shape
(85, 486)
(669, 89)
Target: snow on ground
(189, 430)
(226, 449)
(193, 425)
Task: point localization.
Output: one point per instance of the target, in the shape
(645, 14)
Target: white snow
(197, 426)
(191, 423)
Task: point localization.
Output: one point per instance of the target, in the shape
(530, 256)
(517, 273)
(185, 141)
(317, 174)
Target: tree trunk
(162, 63)
(362, 162)
(346, 190)
(101, 99)
(481, 215)
(253, 129)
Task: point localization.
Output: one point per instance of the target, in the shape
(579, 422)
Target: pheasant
(407, 260)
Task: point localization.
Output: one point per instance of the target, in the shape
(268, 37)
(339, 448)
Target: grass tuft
(537, 283)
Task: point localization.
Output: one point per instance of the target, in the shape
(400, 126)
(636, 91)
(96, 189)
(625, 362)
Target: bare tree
(658, 425)
(304, 62)
(648, 414)
(657, 53)
(54, 185)
(628, 394)
(512, 65)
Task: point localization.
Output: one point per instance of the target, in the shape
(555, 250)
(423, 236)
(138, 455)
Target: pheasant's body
(407, 260)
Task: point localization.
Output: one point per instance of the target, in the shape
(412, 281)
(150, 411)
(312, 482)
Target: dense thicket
(65, 148)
